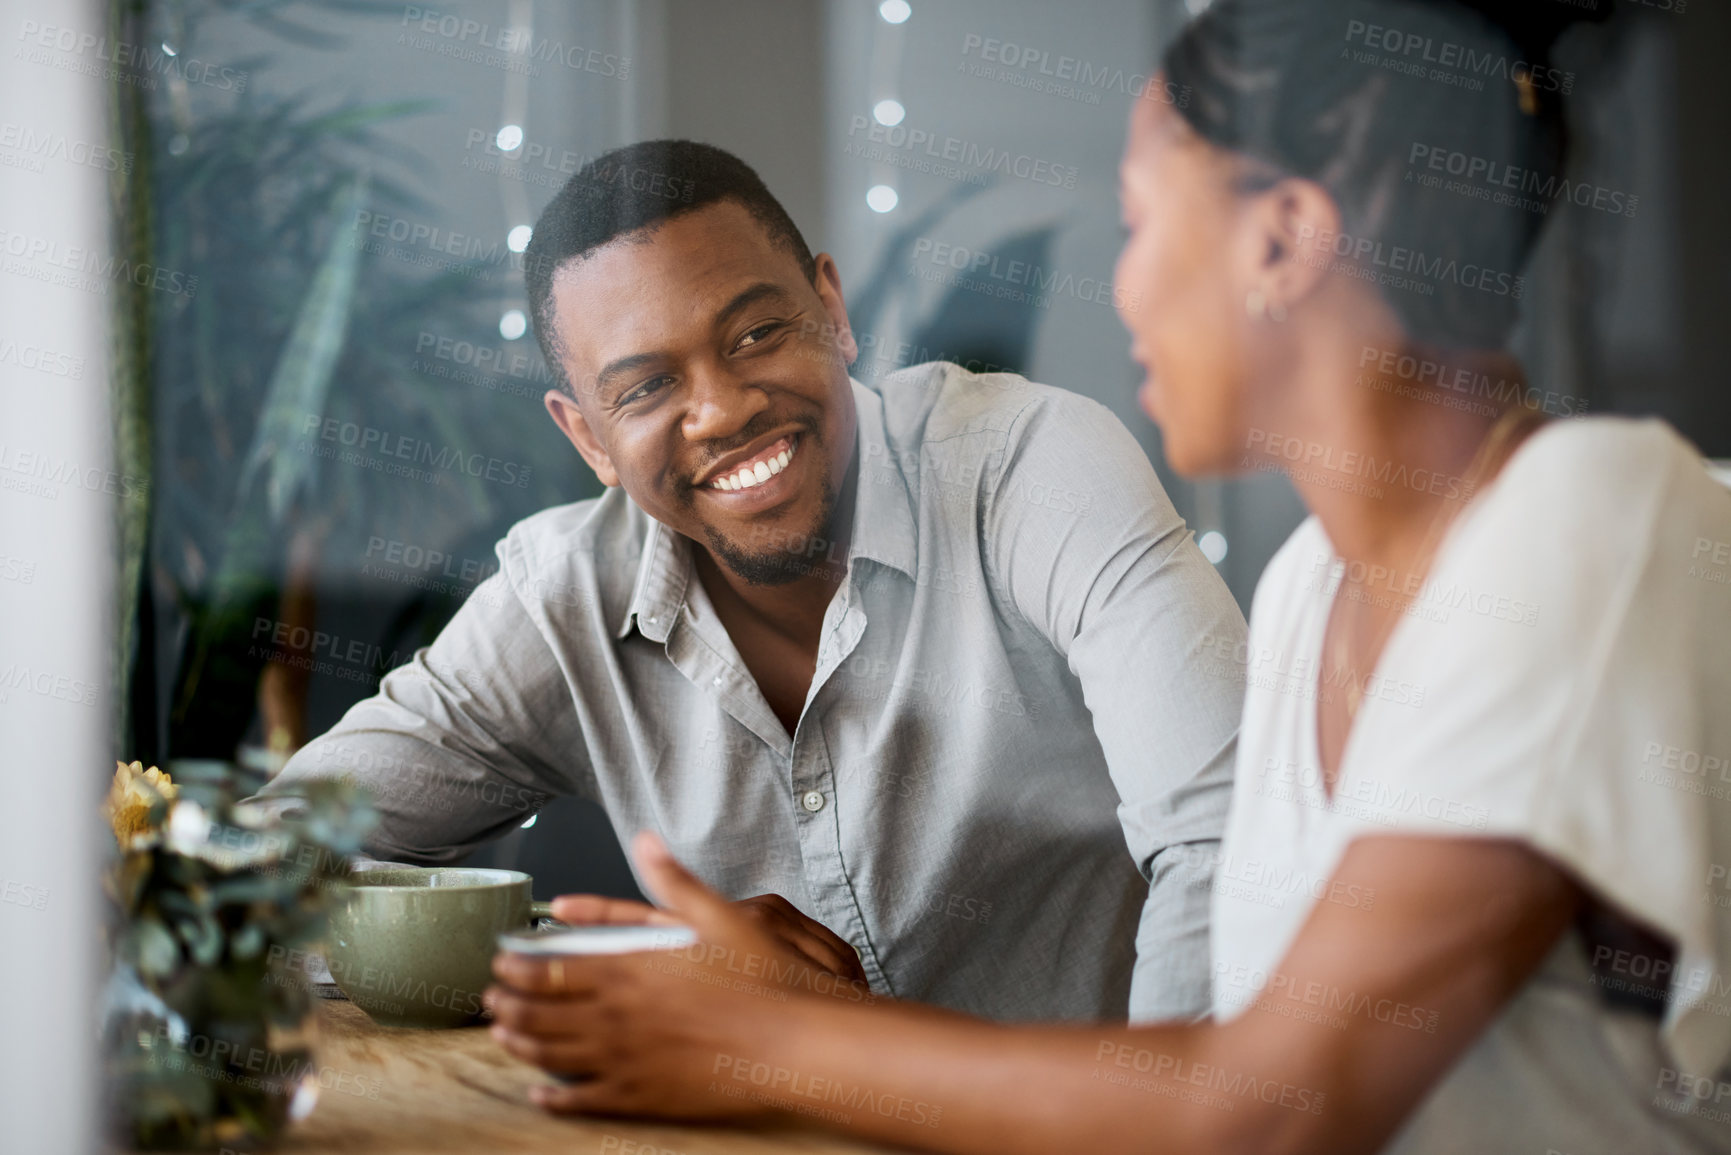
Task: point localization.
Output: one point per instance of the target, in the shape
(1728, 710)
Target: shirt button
(718, 679)
(812, 801)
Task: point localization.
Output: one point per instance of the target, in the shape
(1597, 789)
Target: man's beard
(789, 561)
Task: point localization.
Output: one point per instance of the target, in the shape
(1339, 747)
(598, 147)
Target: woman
(1468, 894)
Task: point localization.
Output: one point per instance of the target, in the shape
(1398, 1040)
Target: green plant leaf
(348, 120)
(203, 938)
(154, 947)
(302, 378)
(246, 888)
(247, 942)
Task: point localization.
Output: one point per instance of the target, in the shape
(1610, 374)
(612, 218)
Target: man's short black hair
(637, 187)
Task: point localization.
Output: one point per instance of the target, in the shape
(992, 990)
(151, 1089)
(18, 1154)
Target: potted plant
(208, 1031)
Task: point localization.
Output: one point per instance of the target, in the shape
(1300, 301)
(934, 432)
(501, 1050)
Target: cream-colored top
(1564, 679)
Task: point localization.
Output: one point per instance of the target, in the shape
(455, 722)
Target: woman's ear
(1297, 227)
(571, 422)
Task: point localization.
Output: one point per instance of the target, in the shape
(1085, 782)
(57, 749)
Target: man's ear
(1296, 225)
(565, 414)
(828, 285)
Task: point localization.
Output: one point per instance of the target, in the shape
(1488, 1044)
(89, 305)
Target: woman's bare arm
(1369, 1009)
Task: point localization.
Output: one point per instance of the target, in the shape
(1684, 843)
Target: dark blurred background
(351, 183)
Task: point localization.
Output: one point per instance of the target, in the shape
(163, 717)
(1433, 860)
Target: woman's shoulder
(1574, 599)
(1590, 501)
(1580, 463)
(1573, 649)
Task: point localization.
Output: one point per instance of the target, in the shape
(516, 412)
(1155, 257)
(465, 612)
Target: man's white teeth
(755, 474)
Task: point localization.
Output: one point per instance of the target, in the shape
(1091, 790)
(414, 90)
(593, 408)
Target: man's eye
(756, 335)
(648, 388)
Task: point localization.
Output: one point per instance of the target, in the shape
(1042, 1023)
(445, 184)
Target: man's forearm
(432, 807)
(459, 745)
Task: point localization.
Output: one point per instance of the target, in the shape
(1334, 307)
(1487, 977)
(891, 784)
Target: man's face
(711, 383)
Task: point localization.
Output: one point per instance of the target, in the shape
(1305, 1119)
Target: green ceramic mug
(413, 946)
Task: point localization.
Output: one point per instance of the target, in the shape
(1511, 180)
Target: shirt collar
(883, 529)
(883, 520)
(662, 577)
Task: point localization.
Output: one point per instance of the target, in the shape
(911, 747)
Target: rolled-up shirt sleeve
(469, 738)
(1113, 578)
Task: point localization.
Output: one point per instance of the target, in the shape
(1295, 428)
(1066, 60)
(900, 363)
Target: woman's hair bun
(1536, 25)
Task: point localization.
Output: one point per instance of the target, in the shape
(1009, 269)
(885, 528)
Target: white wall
(54, 625)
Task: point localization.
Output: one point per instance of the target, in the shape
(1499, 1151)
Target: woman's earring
(1260, 308)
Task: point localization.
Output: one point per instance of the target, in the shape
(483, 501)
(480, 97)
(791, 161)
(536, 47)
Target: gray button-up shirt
(1009, 692)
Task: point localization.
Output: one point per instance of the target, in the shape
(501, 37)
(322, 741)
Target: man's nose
(720, 405)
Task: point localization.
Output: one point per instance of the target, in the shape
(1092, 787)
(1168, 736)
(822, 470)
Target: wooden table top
(394, 1091)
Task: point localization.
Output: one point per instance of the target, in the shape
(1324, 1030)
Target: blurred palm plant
(290, 322)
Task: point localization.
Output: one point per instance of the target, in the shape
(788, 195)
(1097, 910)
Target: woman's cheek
(1129, 288)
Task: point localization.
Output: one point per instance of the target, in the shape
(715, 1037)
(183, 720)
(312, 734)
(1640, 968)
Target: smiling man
(927, 662)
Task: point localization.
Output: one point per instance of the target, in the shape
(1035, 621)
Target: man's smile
(754, 475)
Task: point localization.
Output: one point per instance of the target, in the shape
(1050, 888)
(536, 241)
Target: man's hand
(660, 1032)
(771, 913)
